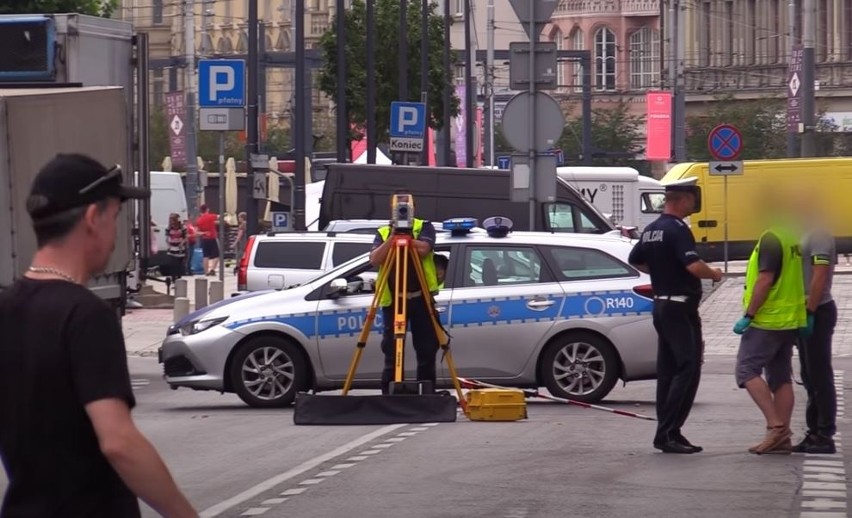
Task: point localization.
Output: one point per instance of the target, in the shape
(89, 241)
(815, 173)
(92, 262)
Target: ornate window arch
(605, 56)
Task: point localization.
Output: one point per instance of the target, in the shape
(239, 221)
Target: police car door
(340, 318)
(502, 308)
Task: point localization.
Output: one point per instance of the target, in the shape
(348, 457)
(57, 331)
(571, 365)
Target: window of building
(729, 33)
(577, 43)
(224, 46)
(824, 33)
(706, 26)
(158, 90)
(157, 15)
(459, 7)
(560, 66)
(644, 58)
(605, 59)
(754, 28)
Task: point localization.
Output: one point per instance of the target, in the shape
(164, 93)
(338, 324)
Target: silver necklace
(52, 271)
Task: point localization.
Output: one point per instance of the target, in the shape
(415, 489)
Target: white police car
(565, 311)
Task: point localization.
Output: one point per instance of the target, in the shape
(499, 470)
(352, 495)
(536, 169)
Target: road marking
(357, 458)
(255, 511)
(138, 383)
(406, 434)
(343, 466)
(396, 439)
(273, 501)
(295, 491)
(384, 445)
(328, 473)
(824, 476)
(370, 452)
(266, 485)
(311, 481)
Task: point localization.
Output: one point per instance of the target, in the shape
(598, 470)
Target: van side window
(653, 202)
(297, 256)
(343, 252)
(565, 217)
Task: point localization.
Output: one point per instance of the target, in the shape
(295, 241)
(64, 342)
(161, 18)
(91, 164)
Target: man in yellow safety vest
(425, 341)
(774, 314)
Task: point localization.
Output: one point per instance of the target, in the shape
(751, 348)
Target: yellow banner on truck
(789, 184)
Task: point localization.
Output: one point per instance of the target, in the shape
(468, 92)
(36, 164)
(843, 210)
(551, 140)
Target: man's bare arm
(761, 289)
(135, 459)
(422, 247)
(379, 254)
(817, 287)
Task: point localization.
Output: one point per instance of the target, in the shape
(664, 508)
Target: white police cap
(682, 185)
(498, 226)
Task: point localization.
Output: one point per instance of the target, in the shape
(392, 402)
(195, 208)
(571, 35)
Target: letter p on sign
(407, 118)
(221, 80)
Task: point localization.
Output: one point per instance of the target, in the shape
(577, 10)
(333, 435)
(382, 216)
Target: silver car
(529, 309)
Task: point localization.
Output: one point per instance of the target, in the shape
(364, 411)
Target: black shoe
(807, 441)
(674, 447)
(681, 439)
(820, 444)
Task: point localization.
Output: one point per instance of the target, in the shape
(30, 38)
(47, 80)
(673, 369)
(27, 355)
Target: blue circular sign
(725, 142)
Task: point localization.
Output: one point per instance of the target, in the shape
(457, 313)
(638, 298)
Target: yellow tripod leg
(443, 339)
(400, 322)
(368, 324)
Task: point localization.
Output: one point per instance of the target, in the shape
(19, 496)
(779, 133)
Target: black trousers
(817, 373)
(679, 351)
(424, 337)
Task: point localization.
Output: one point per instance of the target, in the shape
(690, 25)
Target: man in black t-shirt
(67, 440)
(666, 251)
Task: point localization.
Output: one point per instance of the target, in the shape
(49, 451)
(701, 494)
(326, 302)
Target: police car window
(343, 252)
(501, 266)
(573, 264)
(653, 202)
(283, 254)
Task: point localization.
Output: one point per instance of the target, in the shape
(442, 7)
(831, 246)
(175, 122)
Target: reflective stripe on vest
(784, 307)
(428, 262)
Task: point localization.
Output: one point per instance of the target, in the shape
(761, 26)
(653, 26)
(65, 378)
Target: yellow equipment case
(496, 404)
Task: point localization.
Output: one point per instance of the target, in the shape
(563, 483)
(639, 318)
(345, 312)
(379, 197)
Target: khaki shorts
(764, 351)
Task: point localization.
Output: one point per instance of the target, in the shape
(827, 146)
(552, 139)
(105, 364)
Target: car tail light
(644, 290)
(242, 275)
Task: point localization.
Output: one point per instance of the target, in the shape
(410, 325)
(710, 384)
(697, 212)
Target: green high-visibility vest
(427, 261)
(784, 307)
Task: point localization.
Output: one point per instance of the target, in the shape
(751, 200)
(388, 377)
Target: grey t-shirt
(818, 249)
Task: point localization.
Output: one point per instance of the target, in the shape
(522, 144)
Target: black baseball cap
(73, 180)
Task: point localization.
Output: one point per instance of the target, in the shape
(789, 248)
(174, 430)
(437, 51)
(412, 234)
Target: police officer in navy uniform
(666, 251)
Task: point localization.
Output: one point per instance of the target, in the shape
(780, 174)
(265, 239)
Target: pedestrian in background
(207, 224)
(666, 251)
(67, 439)
(819, 259)
(176, 241)
(774, 314)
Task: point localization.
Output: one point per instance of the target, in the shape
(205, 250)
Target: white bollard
(181, 308)
(217, 291)
(180, 288)
(200, 293)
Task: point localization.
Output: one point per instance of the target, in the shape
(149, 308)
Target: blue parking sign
(280, 221)
(221, 82)
(408, 120)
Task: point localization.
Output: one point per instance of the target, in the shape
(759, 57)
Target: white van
(167, 196)
(628, 197)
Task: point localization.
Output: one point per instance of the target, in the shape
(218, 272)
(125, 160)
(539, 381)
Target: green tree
(103, 8)
(387, 69)
(761, 122)
(158, 137)
(614, 130)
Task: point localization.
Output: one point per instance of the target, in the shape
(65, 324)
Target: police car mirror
(339, 285)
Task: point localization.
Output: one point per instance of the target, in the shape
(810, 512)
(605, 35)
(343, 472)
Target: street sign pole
(725, 143)
(532, 148)
(725, 195)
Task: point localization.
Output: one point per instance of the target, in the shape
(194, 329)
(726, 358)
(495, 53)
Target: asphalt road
(562, 461)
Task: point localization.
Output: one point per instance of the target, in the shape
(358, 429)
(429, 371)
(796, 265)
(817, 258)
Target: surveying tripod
(399, 256)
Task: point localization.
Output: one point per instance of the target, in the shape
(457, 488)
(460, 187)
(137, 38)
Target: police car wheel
(267, 372)
(579, 366)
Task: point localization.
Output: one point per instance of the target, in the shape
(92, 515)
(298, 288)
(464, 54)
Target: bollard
(181, 308)
(217, 291)
(200, 293)
(180, 288)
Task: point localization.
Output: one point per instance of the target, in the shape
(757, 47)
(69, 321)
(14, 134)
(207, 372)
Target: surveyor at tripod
(422, 241)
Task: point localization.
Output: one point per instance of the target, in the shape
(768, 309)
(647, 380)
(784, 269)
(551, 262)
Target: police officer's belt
(673, 298)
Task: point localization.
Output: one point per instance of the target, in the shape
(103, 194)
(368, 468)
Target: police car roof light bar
(459, 226)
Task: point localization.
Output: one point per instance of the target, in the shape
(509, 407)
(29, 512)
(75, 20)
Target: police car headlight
(197, 326)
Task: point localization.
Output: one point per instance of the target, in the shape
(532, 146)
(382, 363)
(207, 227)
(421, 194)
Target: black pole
(252, 145)
(586, 64)
(424, 75)
(468, 88)
(371, 82)
(403, 50)
(448, 82)
(342, 123)
(298, 208)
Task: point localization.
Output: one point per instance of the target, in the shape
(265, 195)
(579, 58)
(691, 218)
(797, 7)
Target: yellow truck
(825, 181)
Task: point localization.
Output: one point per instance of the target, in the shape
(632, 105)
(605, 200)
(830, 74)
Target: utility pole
(193, 185)
(402, 72)
(342, 117)
(469, 102)
(448, 82)
(424, 75)
(792, 144)
(302, 115)
(252, 140)
(677, 46)
(808, 78)
(489, 82)
(371, 82)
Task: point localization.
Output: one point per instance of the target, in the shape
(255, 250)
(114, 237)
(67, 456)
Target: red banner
(659, 126)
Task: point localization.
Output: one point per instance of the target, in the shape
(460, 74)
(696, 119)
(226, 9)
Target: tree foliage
(103, 8)
(614, 131)
(387, 62)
